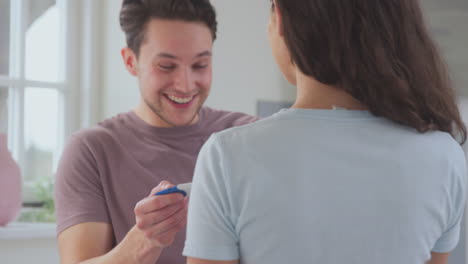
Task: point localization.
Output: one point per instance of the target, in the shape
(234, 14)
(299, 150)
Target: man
(365, 167)
(107, 170)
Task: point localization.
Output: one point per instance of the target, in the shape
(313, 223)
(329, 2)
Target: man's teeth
(180, 100)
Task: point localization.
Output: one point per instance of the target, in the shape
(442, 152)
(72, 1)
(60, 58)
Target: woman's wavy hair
(380, 52)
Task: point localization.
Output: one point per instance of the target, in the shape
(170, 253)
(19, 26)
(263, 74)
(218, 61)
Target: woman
(364, 168)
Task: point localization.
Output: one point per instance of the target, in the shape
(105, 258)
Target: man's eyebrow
(170, 56)
(166, 55)
(203, 54)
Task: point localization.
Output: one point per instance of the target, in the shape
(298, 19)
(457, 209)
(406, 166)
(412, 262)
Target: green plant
(44, 192)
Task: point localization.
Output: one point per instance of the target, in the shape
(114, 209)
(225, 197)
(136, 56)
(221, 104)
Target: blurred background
(61, 71)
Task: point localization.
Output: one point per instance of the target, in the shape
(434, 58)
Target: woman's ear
(278, 17)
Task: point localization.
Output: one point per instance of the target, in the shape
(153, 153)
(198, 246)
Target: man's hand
(160, 218)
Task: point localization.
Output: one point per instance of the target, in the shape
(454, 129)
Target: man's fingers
(155, 217)
(154, 203)
(163, 185)
(176, 222)
(168, 237)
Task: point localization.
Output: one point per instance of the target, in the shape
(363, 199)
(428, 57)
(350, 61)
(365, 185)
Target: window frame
(77, 91)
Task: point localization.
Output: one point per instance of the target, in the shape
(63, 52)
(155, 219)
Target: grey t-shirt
(104, 171)
(327, 187)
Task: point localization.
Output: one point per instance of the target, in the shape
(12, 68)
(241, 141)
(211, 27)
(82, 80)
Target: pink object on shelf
(10, 184)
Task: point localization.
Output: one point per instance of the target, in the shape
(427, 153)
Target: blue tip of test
(171, 190)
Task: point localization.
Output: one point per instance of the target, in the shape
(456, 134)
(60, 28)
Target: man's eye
(200, 66)
(167, 67)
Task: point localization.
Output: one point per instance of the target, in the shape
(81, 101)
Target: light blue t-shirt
(328, 187)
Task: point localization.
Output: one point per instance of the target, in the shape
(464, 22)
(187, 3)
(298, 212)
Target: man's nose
(184, 82)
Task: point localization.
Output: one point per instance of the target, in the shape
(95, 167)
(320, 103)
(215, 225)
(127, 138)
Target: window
(33, 86)
(42, 43)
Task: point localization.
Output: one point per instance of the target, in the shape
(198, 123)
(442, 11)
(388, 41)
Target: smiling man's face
(174, 70)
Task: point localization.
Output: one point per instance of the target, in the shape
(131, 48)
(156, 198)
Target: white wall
(22, 243)
(448, 22)
(244, 70)
(119, 90)
(37, 251)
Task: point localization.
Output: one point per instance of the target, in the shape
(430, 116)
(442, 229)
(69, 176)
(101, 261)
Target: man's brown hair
(136, 14)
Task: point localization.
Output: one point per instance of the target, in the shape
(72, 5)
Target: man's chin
(171, 118)
(185, 119)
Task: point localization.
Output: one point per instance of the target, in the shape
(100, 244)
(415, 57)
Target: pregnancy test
(183, 189)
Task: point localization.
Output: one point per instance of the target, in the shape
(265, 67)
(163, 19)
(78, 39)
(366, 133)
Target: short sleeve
(210, 230)
(79, 195)
(449, 239)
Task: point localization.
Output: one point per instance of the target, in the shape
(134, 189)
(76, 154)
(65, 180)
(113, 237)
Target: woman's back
(328, 186)
(339, 186)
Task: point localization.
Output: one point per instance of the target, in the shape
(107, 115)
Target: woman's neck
(316, 95)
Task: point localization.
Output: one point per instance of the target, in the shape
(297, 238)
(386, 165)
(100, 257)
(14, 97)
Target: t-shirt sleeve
(211, 230)
(79, 195)
(449, 239)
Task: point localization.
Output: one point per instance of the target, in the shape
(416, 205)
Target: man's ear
(279, 19)
(130, 60)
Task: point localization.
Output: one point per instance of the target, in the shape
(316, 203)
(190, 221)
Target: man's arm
(204, 261)
(84, 241)
(158, 219)
(91, 243)
(439, 258)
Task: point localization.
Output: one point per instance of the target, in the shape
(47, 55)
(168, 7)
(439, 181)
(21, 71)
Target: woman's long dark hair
(380, 52)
